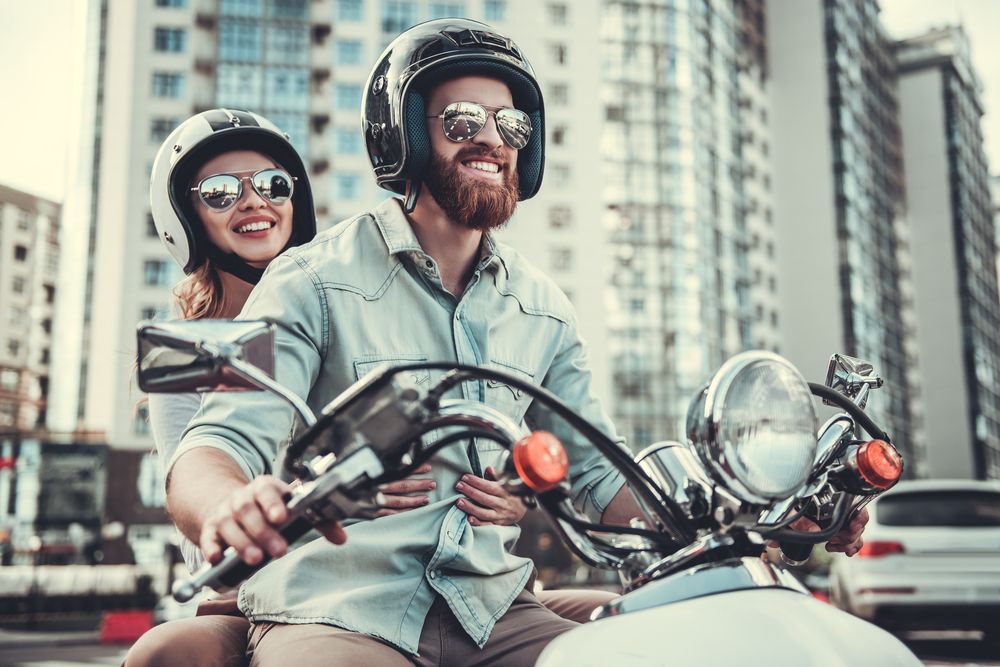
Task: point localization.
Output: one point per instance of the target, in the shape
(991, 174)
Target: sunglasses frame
(239, 191)
(490, 111)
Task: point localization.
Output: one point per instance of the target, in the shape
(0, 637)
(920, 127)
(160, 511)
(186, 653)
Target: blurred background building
(950, 216)
(29, 248)
(840, 203)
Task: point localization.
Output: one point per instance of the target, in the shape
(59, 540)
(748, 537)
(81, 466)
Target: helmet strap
(234, 264)
(412, 192)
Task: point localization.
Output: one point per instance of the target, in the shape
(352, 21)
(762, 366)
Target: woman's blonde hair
(199, 296)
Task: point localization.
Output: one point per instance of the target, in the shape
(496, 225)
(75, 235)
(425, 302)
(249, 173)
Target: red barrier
(124, 627)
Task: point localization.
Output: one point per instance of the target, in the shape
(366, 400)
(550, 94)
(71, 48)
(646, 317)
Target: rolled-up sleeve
(250, 426)
(594, 481)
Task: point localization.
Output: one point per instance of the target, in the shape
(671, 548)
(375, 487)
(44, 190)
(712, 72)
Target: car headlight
(754, 427)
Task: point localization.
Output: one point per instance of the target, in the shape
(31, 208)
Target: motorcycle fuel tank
(764, 627)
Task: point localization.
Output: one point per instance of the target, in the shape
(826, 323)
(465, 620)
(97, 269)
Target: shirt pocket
(366, 364)
(508, 399)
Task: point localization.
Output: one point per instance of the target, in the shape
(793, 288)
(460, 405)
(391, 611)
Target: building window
(8, 379)
(239, 86)
(159, 128)
(20, 253)
(558, 175)
(288, 44)
(14, 348)
(348, 97)
(156, 272)
(171, 3)
(348, 52)
(562, 259)
(240, 39)
(439, 10)
(241, 7)
(349, 10)
(287, 87)
(559, 135)
(346, 186)
(142, 420)
(50, 293)
(43, 358)
(559, 94)
(8, 413)
(17, 285)
(348, 141)
(168, 40)
(558, 13)
(151, 227)
(295, 9)
(560, 217)
(558, 53)
(494, 10)
(23, 219)
(398, 15)
(166, 84)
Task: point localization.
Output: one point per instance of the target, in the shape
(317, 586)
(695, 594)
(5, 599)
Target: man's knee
(205, 641)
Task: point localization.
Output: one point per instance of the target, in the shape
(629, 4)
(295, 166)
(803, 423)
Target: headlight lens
(755, 427)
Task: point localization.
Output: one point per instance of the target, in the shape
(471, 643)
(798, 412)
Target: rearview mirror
(198, 355)
(852, 377)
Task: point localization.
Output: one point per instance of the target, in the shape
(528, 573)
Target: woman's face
(254, 228)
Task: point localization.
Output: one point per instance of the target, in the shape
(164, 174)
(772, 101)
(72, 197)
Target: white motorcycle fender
(769, 627)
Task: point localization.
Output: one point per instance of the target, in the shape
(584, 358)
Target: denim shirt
(364, 294)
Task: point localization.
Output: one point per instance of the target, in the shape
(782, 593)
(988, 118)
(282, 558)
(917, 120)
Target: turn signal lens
(877, 549)
(879, 463)
(540, 460)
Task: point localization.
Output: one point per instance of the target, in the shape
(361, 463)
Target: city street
(934, 652)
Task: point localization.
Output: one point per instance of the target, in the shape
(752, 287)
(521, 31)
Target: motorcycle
(698, 585)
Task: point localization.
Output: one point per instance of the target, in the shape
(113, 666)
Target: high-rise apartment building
(954, 253)
(29, 261)
(304, 64)
(687, 201)
(995, 190)
(840, 213)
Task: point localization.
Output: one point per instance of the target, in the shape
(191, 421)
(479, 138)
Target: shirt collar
(399, 237)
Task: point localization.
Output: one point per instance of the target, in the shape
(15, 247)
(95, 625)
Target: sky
(41, 44)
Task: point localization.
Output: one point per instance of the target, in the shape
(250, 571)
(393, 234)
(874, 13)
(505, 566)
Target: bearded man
(454, 122)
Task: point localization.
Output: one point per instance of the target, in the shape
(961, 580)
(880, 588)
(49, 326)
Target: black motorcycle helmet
(185, 150)
(395, 98)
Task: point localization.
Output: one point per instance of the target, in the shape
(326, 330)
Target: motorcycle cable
(428, 451)
(840, 511)
(852, 408)
(666, 510)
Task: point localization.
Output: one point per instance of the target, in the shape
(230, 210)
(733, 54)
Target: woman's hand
(487, 503)
(405, 494)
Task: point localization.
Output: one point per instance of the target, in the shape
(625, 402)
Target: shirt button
(429, 264)
(432, 574)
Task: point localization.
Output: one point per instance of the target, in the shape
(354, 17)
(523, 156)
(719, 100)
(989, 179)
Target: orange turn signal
(879, 463)
(540, 461)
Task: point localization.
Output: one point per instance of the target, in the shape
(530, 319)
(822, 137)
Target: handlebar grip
(231, 570)
(795, 553)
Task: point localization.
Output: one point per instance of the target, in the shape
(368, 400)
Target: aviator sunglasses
(464, 120)
(221, 191)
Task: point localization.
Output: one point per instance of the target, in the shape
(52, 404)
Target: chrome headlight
(754, 427)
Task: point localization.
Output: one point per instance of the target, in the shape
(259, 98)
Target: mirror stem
(262, 380)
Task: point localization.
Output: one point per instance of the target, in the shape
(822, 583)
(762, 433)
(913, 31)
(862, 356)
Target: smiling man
(454, 123)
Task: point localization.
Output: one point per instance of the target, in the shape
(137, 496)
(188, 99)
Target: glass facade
(675, 206)
(870, 206)
(263, 62)
(976, 247)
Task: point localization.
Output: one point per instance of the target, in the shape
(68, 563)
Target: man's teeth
(254, 227)
(491, 167)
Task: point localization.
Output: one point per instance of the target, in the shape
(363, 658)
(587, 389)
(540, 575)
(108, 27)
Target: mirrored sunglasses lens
(219, 192)
(463, 120)
(273, 184)
(515, 127)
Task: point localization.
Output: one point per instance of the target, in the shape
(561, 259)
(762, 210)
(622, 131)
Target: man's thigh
(517, 639)
(575, 604)
(208, 641)
(280, 644)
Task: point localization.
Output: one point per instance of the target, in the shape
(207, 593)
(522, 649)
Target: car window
(940, 508)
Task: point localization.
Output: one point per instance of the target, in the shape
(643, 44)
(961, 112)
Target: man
(454, 121)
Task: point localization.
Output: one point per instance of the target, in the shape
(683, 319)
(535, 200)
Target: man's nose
(490, 134)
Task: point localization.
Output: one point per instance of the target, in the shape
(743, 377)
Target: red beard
(468, 202)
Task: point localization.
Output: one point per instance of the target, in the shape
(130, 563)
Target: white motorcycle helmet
(190, 145)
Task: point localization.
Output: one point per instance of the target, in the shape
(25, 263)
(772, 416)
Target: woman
(228, 194)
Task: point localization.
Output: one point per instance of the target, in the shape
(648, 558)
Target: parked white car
(931, 559)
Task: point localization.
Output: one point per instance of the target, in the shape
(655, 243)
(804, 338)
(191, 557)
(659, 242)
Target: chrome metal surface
(755, 427)
(709, 579)
(683, 556)
(675, 468)
(458, 412)
(853, 377)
